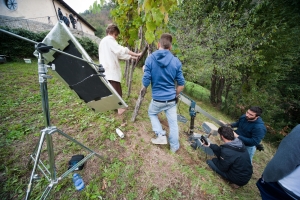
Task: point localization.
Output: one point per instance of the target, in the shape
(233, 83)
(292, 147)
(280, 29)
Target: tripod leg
(75, 141)
(47, 191)
(51, 157)
(39, 148)
(33, 153)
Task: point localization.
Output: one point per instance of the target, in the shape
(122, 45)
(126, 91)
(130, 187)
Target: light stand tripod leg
(53, 179)
(35, 164)
(75, 141)
(33, 153)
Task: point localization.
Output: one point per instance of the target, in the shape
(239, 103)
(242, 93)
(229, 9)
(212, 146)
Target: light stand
(46, 133)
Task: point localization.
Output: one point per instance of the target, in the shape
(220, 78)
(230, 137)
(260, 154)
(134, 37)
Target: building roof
(78, 16)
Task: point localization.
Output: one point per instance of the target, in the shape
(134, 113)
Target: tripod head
(42, 48)
(101, 70)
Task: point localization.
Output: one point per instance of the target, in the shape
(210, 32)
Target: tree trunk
(213, 87)
(138, 103)
(143, 90)
(127, 67)
(134, 64)
(220, 88)
(227, 89)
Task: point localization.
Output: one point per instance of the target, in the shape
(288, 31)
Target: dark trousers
(117, 86)
(212, 165)
(73, 23)
(271, 191)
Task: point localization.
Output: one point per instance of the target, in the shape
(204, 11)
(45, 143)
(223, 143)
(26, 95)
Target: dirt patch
(160, 168)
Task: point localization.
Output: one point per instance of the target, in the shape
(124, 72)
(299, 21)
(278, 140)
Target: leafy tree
(98, 16)
(95, 7)
(246, 47)
(150, 15)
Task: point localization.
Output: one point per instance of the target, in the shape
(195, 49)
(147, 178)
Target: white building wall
(40, 10)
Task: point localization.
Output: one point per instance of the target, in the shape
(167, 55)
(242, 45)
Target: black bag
(74, 160)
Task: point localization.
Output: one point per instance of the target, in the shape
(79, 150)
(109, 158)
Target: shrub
(196, 91)
(17, 48)
(90, 47)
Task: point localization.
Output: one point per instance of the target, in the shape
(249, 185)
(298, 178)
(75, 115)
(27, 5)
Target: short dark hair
(226, 132)
(256, 109)
(165, 40)
(112, 28)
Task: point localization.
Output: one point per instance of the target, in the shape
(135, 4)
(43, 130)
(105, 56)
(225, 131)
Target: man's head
(253, 113)
(226, 133)
(165, 41)
(113, 30)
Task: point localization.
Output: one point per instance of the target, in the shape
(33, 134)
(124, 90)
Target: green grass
(137, 169)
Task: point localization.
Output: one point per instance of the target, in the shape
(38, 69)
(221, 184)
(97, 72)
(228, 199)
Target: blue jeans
(171, 112)
(251, 151)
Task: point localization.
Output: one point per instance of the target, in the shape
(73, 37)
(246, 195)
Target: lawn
(133, 168)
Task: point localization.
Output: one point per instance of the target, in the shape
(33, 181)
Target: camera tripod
(46, 134)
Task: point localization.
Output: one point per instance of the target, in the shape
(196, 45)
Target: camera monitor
(80, 76)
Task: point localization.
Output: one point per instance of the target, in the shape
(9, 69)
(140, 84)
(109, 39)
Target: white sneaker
(160, 140)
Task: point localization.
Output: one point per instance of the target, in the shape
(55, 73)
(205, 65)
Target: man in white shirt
(109, 54)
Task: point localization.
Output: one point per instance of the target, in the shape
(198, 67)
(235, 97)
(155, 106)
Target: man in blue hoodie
(163, 71)
(250, 129)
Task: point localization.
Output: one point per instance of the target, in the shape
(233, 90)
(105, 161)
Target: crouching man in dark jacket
(232, 160)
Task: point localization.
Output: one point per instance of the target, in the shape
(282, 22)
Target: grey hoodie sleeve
(286, 158)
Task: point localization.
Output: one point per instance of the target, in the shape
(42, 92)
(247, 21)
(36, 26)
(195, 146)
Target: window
(11, 4)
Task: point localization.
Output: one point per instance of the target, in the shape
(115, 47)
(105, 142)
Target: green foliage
(251, 45)
(18, 48)
(100, 18)
(90, 47)
(96, 8)
(100, 32)
(198, 92)
(151, 15)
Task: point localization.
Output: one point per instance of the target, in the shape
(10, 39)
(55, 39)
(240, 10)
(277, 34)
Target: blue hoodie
(250, 132)
(162, 69)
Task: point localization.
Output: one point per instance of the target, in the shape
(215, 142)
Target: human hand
(205, 145)
(260, 147)
(235, 135)
(134, 57)
(228, 125)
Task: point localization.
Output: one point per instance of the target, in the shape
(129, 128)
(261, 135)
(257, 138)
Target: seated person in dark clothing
(60, 15)
(66, 20)
(232, 160)
(72, 19)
